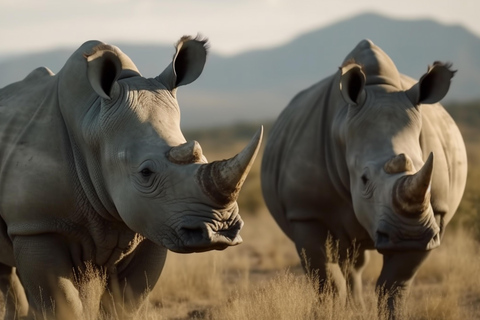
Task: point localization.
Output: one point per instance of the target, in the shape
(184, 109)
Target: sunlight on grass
(262, 279)
(248, 287)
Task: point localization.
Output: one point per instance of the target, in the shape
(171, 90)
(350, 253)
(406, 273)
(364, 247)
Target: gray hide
(95, 170)
(368, 159)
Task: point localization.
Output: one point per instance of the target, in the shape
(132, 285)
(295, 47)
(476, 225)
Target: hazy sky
(231, 25)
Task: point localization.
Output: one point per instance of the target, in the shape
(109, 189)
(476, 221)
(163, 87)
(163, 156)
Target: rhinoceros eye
(368, 186)
(146, 172)
(365, 179)
(148, 179)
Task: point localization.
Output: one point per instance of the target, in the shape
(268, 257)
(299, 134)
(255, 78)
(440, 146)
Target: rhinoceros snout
(203, 236)
(389, 241)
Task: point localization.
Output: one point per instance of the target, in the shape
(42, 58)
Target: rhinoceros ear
(103, 69)
(352, 84)
(433, 85)
(187, 64)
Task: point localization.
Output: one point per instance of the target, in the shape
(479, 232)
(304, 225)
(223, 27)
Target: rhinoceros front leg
(352, 267)
(15, 301)
(46, 271)
(132, 280)
(397, 273)
(310, 237)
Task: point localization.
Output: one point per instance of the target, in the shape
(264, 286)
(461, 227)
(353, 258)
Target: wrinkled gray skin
(95, 168)
(350, 157)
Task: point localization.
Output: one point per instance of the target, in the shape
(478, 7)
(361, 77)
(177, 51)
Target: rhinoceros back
(20, 102)
(33, 145)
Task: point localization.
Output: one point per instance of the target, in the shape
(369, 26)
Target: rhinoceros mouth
(199, 235)
(395, 233)
(385, 243)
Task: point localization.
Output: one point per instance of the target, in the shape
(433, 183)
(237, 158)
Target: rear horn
(189, 152)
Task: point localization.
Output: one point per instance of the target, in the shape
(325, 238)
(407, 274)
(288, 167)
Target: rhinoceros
(366, 159)
(95, 170)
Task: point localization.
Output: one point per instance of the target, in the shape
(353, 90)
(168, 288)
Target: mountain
(258, 84)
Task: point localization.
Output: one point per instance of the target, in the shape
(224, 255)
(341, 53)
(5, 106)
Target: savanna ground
(262, 278)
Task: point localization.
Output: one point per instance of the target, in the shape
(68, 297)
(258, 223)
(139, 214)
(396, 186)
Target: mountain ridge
(258, 84)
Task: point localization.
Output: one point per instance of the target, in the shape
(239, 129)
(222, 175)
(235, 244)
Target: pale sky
(232, 26)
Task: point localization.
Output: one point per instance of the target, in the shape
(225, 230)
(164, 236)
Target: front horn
(222, 180)
(411, 193)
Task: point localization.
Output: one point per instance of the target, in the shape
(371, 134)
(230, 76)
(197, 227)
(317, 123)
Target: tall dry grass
(448, 285)
(191, 284)
(262, 279)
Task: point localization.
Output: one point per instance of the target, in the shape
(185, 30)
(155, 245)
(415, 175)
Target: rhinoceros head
(159, 184)
(390, 173)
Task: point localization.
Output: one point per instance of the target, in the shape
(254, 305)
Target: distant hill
(257, 85)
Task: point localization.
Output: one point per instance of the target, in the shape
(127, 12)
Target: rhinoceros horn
(189, 152)
(411, 193)
(398, 164)
(222, 180)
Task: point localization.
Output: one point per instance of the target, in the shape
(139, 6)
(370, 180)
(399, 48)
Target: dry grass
(285, 296)
(191, 284)
(448, 285)
(262, 279)
(92, 284)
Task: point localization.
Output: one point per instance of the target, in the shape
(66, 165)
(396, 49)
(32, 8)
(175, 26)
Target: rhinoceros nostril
(231, 232)
(194, 234)
(382, 237)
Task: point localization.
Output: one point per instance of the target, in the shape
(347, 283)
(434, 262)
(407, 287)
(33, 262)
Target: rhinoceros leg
(46, 271)
(395, 278)
(310, 239)
(15, 301)
(352, 267)
(134, 278)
